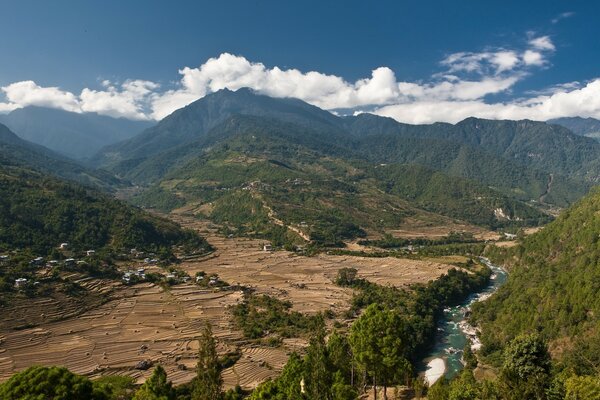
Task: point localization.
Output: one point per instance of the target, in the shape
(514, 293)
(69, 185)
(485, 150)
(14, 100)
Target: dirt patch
(145, 322)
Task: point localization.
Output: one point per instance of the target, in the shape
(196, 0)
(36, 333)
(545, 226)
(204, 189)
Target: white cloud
(531, 57)
(562, 16)
(128, 101)
(28, 93)
(584, 102)
(542, 43)
(460, 90)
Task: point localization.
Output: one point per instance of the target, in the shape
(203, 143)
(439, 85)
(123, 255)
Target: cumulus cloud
(461, 89)
(28, 93)
(127, 100)
(584, 102)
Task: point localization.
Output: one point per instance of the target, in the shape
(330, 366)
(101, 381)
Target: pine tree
(208, 382)
(156, 387)
(317, 371)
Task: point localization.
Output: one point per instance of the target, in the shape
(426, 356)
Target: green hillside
(521, 159)
(15, 151)
(553, 288)
(256, 175)
(38, 212)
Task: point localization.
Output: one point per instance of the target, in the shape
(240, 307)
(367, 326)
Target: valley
(159, 324)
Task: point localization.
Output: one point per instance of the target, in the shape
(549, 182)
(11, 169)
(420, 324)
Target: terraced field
(146, 322)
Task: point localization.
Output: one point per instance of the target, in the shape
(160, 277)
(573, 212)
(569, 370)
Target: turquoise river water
(454, 332)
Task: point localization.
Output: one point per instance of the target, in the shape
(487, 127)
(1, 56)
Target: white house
(90, 253)
(267, 247)
(20, 282)
(63, 246)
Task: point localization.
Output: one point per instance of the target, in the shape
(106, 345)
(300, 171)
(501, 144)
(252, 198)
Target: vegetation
(262, 315)
(56, 383)
(38, 213)
(552, 289)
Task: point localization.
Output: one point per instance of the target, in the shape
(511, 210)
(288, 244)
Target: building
(63, 246)
(267, 247)
(20, 282)
(37, 261)
(90, 253)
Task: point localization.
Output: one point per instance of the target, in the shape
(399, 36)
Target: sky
(415, 61)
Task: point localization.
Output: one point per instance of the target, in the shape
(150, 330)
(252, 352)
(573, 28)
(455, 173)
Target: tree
(340, 356)
(582, 387)
(52, 383)
(208, 382)
(380, 343)
(115, 387)
(340, 390)
(316, 364)
(526, 369)
(157, 387)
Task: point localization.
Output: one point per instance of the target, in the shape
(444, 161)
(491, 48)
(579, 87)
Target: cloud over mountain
(462, 88)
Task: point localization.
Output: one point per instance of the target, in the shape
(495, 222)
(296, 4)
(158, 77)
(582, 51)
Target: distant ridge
(78, 136)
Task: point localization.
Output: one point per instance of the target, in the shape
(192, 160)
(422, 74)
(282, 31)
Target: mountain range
(252, 162)
(17, 152)
(589, 127)
(76, 135)
(206, 152)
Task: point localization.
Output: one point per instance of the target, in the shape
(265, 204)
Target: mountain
(195, 120)
(589, 127)
(78, 136)
(242, 158)
(553, 288)
(38, 212)
(15, 151)
(522, 159)
(259, 172)
(536, 145)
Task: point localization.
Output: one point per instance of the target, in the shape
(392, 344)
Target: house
(141, 271)
(4, 259)
(81, 263)
(53, 263)
(510, 236)
(69, 262)
(63, 246)
(267, 247)
(20, 282)
(37, 261)
(90, 253)
(127, 277)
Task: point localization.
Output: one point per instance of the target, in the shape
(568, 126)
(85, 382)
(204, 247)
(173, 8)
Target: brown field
(145, 322)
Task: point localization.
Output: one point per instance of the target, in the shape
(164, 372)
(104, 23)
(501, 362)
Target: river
(454, 332)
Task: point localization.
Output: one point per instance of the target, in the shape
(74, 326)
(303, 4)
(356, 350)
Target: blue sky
(433, 60)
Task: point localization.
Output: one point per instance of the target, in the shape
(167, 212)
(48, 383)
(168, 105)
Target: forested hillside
(15, 151)
(254, 174)
(38, 212)
(518, 158)
(553, 289)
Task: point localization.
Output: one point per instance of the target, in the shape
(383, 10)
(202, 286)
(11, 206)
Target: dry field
(145, 322)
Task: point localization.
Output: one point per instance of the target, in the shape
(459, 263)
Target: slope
(15, 151)
(553, 287)
(78, 136)
(196, 119)
(514, 157)
(253, 170)
(589, 127)
(38, 212)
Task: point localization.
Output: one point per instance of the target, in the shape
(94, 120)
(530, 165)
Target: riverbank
(455, 332)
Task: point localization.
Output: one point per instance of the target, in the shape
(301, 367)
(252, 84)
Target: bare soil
(147, 322)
